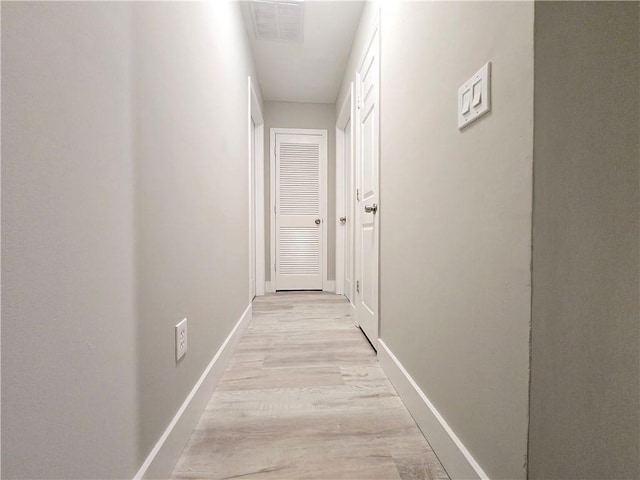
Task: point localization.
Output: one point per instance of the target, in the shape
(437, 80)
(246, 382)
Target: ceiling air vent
(276, 20)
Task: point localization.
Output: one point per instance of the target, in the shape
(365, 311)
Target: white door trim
(272, 191)
(257, 197)
(342, 209)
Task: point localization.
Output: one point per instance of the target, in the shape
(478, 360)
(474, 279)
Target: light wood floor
(304, 397)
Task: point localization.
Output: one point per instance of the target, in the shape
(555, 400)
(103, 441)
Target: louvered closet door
(299, 211)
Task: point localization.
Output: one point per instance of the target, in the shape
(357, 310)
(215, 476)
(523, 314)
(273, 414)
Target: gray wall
(69, 387)
(455, 217)
(191, 193)
(585, 332)
(367, 18)
(124, 197)
(303, 115)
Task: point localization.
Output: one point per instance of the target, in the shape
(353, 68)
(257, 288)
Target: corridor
(304, 397)
(466, 174)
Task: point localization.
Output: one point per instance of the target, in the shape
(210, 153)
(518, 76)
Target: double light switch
(474, 97)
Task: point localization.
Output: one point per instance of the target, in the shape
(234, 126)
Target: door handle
(371, 208)
(343, 220)
(318, 221)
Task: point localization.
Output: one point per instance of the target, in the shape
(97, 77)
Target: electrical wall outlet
(181, 339)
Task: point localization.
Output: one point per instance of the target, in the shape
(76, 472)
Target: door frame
(256, 197)
(344, 191)
(323, 196)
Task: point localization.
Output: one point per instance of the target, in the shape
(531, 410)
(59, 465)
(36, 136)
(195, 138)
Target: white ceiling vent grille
(277, 20)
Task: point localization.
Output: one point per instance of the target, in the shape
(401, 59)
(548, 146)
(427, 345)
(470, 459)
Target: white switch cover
(477, 92)
(466, 102)
(181, 339)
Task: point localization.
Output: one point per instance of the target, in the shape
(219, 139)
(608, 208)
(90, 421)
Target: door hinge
(358, 286)
(275, 267)
(358, 194)
(359, 102)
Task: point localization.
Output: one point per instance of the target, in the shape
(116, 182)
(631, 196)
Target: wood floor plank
(304, 397)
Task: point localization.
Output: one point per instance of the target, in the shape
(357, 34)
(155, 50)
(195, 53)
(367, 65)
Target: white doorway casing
(256, 194)
(345, 199)
(305, 223)
(252, 213)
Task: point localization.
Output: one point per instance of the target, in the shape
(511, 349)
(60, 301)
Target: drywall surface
(69, 404)
(585, 326)
(455, 218)
(302, 115)
(125, 210)
(191, 171)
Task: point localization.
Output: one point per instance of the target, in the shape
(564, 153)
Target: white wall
(124, 183)
(303, 115)
(586, 232)
(455, 216)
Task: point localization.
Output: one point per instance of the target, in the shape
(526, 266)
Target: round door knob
(318, 221)
(343, 220)
(371, 208)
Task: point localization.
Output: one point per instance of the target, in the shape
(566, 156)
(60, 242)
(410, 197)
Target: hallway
(464, 173)
(304, 397)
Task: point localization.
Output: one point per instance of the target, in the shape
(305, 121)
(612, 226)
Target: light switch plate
(474, 97)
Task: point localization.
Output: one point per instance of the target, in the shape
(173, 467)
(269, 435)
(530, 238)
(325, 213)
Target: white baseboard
(455, 457)
(167, 451)
(329, 286)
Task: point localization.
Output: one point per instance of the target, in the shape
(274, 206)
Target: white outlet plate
(181, 339)
(474, 97)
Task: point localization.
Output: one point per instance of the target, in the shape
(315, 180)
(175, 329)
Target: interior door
(299, 217)
(367, 222)
(348, 223)
(252, 199)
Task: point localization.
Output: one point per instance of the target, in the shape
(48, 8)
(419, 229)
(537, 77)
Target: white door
(299, 210)
(252, 206)
(348, 224)
(367, 221)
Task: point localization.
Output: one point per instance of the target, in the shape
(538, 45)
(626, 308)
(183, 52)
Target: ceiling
(311, 70)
